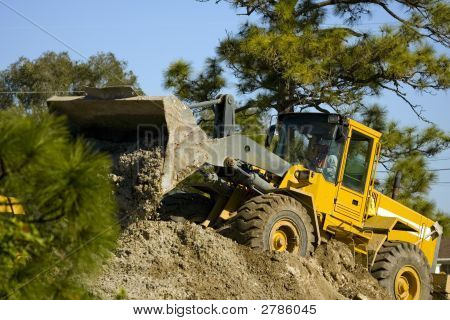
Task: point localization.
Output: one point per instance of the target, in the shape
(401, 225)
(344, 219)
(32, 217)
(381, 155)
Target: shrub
(70, 224)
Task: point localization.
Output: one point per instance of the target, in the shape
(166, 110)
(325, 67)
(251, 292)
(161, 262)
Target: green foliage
(444, 221)
(180, 78)
(291, 61)
(204, 86)
(70, 224)
(421, 18)
(251, 124)
(57, 72)
(19, 241)
(401, 142)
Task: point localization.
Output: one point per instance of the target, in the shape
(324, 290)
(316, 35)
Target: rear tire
(274, 222)
(403, 270)
(183, 206)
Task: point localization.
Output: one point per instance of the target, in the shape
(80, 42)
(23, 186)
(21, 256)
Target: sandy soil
(137, 176)
(168, 260)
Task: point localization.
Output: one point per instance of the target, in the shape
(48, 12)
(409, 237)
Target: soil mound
(168, 260)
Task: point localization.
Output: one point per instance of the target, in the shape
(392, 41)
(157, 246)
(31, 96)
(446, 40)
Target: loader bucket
(163, 122)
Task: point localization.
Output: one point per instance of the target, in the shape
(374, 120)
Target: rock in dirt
(167, 260)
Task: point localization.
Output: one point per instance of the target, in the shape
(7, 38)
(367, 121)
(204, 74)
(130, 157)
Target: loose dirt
(168, 260)
(138, 181)
(136, 174)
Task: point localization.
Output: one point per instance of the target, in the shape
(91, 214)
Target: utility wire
(42, 29)
(39, 92)
(431, 170)
(53, 36)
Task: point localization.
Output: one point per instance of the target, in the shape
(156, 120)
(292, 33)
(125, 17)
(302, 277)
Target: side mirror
(270, 134)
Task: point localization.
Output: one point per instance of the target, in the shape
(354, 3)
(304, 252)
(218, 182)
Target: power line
(430, 170)
(39, 92)
(53, 36)
(42, 29)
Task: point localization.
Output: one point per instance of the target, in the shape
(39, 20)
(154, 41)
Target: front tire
(403, 270)
(274, 222)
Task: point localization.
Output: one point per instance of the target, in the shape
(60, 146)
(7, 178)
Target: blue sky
(152, 34)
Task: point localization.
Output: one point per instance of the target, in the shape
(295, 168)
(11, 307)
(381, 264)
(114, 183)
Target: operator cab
(344, 151)
(314, 140)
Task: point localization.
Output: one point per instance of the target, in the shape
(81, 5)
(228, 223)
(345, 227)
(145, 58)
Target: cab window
(357, 163)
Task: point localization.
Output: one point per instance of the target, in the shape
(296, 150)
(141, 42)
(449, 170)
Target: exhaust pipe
(397, 185)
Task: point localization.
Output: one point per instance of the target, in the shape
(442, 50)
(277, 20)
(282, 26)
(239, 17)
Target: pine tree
(291, 60)
(69, 226)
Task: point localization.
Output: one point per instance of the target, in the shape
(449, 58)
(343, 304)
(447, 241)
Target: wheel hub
(284, 237)
(280, 241)
(407, 284)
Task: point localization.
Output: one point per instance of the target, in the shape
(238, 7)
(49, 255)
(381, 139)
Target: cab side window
(358, 161)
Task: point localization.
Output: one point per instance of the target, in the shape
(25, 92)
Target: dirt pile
(167, 260)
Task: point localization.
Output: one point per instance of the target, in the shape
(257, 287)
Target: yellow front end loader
(314, 181)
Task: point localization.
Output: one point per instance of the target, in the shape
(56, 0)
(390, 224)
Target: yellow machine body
(366, 217)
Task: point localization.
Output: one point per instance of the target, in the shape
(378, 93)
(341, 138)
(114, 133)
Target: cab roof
(335, 118)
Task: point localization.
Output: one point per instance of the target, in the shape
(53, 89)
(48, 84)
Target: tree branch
(413, 107)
